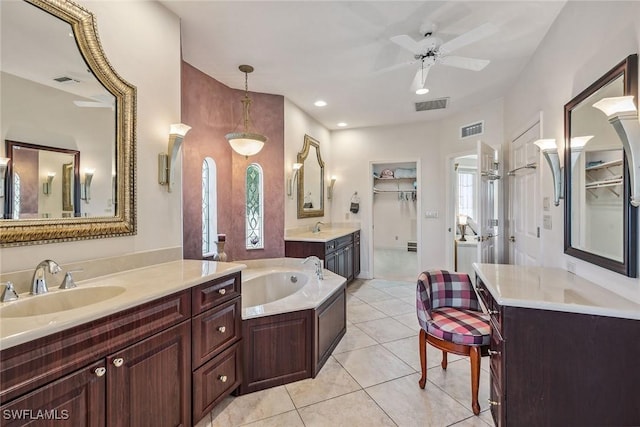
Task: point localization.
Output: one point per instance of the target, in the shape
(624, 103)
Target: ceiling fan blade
(466, 63)
(408, 43)
(478, 33)
(420, 78)
(396, 66)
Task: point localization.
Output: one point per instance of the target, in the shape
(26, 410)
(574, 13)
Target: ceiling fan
(431, 50)
(99, 101)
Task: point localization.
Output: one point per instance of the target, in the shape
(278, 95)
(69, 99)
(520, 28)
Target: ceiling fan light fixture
(245, 142)
(320, 103)
(342, 124)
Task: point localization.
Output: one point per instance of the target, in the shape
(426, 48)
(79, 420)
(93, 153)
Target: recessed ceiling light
(320, 103)
(422, 91)
(342, 124)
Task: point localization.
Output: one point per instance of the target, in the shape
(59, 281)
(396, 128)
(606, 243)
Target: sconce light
(550, 152)
(86, 186)
(294, 175)
(330, 188)
(166, 161)
(623, 116)
(4, 161)
(46, 186)
(245, 142)
(462, 225)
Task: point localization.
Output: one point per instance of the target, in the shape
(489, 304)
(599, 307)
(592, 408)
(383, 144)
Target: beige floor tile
(354, 339)
(410, 300)
(393, 307)
(456, 382)
(205, 421)
(408, 405)
(409, 319)
(288, 419)
(353, 410)
(473, 421)
(386, 329)
(373, 365)
(356, 284)
(400, 292)
(363, 312)
(486, 416)
(251, 407)
(373, 295)
(332, 381)
(353, 300)
(383, 283)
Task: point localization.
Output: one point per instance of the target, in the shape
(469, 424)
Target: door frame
(450, 224)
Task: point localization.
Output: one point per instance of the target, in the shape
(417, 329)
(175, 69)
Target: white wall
(297, 124)
(142, 42)
(586, 40)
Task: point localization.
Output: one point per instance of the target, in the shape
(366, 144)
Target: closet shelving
(405, 193)
(604, 175)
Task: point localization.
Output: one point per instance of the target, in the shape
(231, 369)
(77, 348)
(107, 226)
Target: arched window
(209, 207)
(255, 208)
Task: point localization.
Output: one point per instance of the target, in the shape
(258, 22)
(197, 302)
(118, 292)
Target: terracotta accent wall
(213, 110)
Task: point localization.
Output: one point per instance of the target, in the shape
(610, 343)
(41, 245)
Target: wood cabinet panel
(149, 383)
(215, 329)
(331, 325)
(75, 400)
(214, 292)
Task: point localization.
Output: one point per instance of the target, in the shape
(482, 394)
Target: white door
(487, 218)
(524, 205)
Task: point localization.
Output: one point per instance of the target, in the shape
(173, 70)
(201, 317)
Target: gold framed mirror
(115, 180)
(310, 180)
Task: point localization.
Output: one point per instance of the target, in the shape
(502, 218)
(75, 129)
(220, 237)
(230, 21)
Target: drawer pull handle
(222, 291)
(494, 312)
(222, 329)
(493, 402)
(493, 353)
(479, 289)
(118, 362)
(223, 378)
(100, 371)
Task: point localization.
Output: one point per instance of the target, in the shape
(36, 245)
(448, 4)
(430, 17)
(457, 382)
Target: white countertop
(141, 285)
(324, 235)
(552, 289)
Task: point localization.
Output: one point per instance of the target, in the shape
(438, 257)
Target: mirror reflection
(311, 179)
(599, 220)
(52, 100)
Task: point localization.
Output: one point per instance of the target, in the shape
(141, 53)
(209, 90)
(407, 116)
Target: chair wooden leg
(474, 353)
(444, 360)
(423, 357)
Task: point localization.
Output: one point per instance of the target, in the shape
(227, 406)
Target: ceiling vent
(472, 129)
(434, 104)
(65, 79)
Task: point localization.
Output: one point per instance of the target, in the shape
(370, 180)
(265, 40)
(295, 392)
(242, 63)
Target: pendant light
(246, 143)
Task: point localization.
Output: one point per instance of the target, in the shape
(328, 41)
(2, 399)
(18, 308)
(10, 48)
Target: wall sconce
(86, 186)
(294, 175)
(4, 161)
(577, 147)
(46, 186)
(550, 152)
(330, 188)
(462, 225)
(623, 116)
(166, 161)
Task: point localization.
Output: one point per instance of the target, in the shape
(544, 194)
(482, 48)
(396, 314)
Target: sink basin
(59, 301)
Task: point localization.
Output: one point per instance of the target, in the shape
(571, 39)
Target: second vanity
(563, 350)
(168, 345)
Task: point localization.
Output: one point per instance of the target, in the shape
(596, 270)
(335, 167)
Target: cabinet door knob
(222, 291)
(100, 371)
(222, 329)
(493, 353)
(118, 362)
(493, 402)
(223, 378)
(479, 289)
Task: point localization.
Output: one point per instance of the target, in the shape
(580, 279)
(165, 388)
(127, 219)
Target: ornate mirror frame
(302, 156)
(39, 231)
(628, 70)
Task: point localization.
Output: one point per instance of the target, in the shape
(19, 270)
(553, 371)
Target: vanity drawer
(210, 294)
(214, 380)
(496, 348)
(215, 329)
(496, 404)
(493, 308)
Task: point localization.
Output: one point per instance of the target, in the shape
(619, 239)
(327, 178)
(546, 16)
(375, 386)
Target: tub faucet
(38, 283)
(318, 265)
(316, 228)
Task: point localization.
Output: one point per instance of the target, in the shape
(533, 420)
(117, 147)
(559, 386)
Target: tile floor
(371, 379)
(395, 264)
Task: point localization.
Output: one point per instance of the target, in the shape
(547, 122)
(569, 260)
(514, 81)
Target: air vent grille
(472, 130)
(65, 79)
(434, 104)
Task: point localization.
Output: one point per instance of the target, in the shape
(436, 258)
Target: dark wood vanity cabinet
(157, 364)
(560, 368)
(340, 255)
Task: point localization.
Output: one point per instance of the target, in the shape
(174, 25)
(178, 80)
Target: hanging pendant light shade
(246, 143)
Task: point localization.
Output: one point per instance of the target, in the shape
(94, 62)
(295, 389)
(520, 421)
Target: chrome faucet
(316, 228)
(318, 264)
(38, 283)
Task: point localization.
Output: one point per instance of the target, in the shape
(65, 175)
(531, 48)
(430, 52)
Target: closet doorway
(396, 204)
